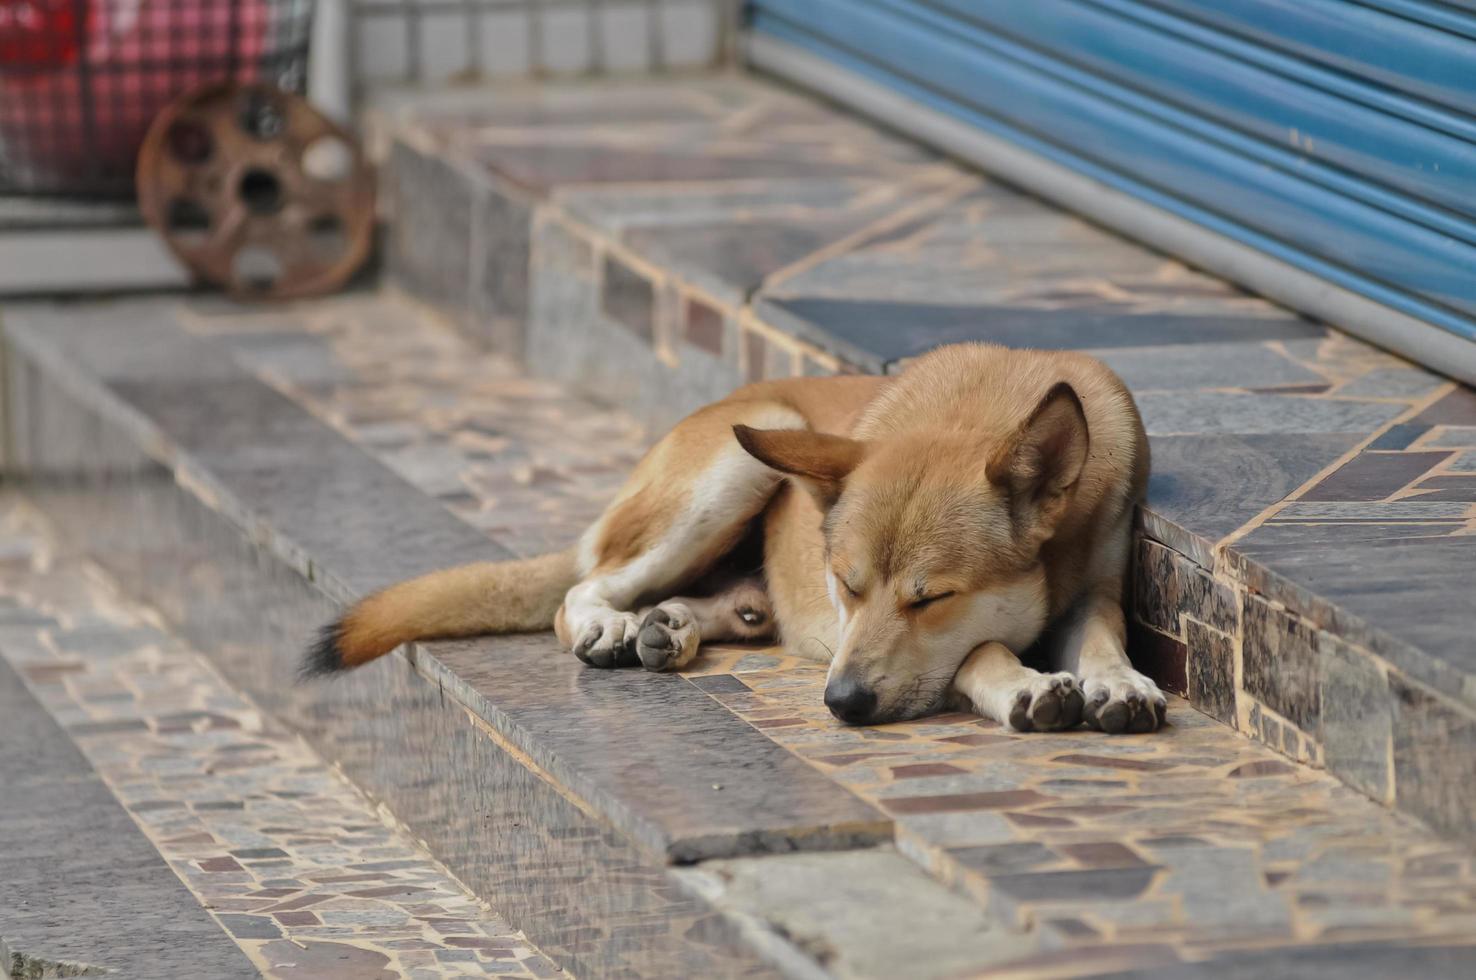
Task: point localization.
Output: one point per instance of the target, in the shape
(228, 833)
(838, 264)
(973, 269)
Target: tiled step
(1304, 552)
(157, 826)
(248, 470)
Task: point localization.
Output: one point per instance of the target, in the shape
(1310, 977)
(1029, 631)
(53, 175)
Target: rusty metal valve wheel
(257, 192)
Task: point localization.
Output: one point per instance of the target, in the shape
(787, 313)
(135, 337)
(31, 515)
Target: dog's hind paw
(1123, 701)
(609, 641)
(1047, 703)
(668, 638)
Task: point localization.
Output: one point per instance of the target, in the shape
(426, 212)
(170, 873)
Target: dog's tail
(487, 597)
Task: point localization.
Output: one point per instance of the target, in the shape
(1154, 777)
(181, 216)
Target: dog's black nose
(849, 701)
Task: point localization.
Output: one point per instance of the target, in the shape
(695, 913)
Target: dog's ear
(1040, 465)
(817, 461)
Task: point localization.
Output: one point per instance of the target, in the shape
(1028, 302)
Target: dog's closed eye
(923, 603)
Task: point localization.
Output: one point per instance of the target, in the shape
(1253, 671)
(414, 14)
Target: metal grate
(423, 41)
(80, 80)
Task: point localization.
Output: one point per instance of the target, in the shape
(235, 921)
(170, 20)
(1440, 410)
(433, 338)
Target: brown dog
(916, 532)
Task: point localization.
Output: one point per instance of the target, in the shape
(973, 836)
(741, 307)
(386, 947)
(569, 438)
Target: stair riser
(1277, 665)
(594, 902)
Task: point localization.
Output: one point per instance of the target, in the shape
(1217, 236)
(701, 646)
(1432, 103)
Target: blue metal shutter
(1338, 137)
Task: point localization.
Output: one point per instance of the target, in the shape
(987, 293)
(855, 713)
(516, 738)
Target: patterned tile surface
(302, 871)
(513, 456)
(1190, 844)
(1292, 464)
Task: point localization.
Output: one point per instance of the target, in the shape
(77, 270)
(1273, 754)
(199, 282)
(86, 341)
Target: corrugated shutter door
(1338, 137)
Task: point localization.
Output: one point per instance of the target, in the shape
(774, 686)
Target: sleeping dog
(916, 532)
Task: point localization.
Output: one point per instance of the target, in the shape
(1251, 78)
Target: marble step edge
(1199, 609)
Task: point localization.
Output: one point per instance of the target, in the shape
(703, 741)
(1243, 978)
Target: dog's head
(933, 546)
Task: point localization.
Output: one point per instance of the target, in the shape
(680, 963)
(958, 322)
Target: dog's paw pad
(609, 642)
(1047, 703)
(1124, 702)
(668, 637)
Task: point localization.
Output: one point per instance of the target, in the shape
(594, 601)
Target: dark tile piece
(704, 326)
(1265, 767)
(1072, 928)
(891, 331)
(1456, 408)
(1374, 476)
(721, 684)
(1356, 717)
(1211, 671)
(257, 853)
(385, 891)
(1156, 586)
(120, 727)
(1292, 390)
(1036, 820)
(1162, 658)
(249, 926)
(991, 859)
(1190, 367)
(220, 864)
(1459, 488)
(980, 739)
(1113, 762)
(1211, 485)
(1400, 436)
(1103, 854)
(961, 802)
(1434, 767)
(297, 918)
(1212, 603)
(1280, 663)
(1095, 885)
(923, 769)
(629, 299)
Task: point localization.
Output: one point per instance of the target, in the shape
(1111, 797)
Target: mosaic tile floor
(293, 863)
(1125, 853)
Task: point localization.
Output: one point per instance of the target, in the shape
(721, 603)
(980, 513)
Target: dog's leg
(1092, 646)
(685, 507)
(672, 631)
(996, 685)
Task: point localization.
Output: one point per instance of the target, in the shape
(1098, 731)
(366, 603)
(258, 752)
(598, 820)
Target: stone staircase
(1304, 554)
(246, 471)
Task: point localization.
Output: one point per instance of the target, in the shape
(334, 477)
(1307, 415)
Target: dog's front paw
(1123, 700)
(609, 641)
(668, 637)
(1045, 703)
